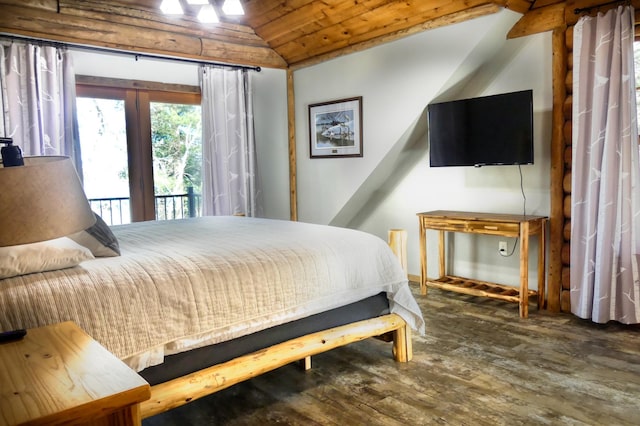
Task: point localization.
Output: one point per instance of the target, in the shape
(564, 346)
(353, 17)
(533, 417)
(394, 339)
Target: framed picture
(335, 128)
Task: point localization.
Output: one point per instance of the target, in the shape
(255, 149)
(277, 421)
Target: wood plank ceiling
(273, 33)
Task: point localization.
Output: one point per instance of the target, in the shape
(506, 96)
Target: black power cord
(524, 213)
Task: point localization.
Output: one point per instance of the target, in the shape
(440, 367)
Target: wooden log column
(560, 265)
(565, 160)
(558, 144)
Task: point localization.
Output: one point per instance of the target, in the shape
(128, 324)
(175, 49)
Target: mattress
(183, 363)
(185, 284)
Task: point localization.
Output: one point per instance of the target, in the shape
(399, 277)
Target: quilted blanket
(188, 283)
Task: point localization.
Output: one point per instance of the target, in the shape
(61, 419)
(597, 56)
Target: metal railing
(117, 210)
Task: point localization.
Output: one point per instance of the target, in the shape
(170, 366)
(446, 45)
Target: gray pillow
(99, 239)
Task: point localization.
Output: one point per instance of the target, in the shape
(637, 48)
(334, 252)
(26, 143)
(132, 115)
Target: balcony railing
(117, 210)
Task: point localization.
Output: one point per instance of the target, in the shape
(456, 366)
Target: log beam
(293, 173)
(180, 391)
(561, 15)
(520, 6)
(556, 224)
(397, 239)
(117, 27)
(539, 20)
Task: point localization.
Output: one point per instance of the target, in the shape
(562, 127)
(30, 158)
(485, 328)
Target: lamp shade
(41, 200)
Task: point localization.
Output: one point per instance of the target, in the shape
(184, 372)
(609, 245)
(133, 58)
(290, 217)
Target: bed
(199, 304)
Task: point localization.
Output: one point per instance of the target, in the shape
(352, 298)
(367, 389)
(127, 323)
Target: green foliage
(177, 147)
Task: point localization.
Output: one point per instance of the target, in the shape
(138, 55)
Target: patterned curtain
(38, 100)
(605, 217)
(229, 174)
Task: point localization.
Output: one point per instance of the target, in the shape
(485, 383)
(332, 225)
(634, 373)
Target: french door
(140, 150)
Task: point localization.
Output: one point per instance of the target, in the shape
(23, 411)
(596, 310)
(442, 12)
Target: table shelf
(478, 288)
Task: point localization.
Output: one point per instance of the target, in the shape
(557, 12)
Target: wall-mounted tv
(482, 131)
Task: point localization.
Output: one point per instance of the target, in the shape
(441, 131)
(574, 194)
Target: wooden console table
(508, 225)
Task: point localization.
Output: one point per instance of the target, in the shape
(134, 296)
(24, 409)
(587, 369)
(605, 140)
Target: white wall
(393, 181)
(270, 103)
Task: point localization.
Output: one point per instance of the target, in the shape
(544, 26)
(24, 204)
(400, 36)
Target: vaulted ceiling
(272, 33)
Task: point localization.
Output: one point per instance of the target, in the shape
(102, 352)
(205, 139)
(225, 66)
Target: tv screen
(488, 130)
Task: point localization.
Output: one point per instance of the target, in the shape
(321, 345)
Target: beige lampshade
(41, 200)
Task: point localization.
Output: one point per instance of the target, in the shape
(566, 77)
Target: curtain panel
(229, 173)
(605, 193)
(38, 100)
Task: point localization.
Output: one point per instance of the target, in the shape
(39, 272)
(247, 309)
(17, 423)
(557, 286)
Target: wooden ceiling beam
(111, 27)
(539, 20)
(273, 33)
(143, 17)
(561, 15)
(520, 6)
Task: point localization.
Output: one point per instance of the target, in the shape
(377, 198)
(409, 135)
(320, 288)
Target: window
(141, 150)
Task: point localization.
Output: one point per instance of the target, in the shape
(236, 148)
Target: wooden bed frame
(182, 390)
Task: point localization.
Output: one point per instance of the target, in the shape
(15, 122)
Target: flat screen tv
(482, 131)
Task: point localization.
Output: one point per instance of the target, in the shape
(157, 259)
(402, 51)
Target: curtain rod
(578, 11)
(136, 55)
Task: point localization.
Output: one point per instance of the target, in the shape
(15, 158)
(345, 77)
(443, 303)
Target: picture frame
(335, 128)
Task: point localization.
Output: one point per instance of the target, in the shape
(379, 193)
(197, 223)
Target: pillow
(40, 257)
(98, 238)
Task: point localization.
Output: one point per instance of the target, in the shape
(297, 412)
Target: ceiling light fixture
(208, 15)
(171, 7)
(232, 7)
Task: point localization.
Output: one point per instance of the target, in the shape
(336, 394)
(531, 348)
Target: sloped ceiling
(273, 33)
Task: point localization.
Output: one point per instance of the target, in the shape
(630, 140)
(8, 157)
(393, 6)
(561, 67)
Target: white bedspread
(188, 283)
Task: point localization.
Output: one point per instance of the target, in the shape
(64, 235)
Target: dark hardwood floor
(479, 364)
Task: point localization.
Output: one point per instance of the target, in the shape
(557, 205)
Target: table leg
(441, 255)
(524, 269)
(541, 264)
(423, 260)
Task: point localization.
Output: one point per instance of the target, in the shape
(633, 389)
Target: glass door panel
(176, 144)
(103, 140)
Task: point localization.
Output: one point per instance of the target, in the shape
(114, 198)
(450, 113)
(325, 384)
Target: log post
(398, 244)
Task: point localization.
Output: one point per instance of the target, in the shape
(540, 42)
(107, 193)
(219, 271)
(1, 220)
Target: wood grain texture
(183, 390)
(59, 375)
(136, 28)
(272, 33)
(558, 143)
(397, 239)
(291, 129)
(441, 21)
(539, 20)
(478, 365)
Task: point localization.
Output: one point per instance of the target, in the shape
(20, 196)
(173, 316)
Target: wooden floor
(479, 364)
